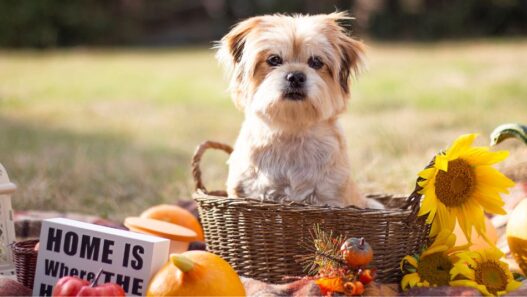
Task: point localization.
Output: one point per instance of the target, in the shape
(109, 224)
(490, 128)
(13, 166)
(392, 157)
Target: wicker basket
(263, 240)
(25, 257)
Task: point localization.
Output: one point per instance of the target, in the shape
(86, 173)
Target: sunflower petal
(428, 206)
(492, 203)
(467, 257)
(445, 220)
(434, 249)
(493, 178)
(469, 215)
(462, 143)
(513, 285)
(436, 227)
(444, 238)
(443, 241)
(447, 217)
(463, 269)
(474, 213)
(472, 284)
(428, 173)
(410, 280)
(441, 162)
(410, 260)
(481, 156)
(451, 240)
(493, 253)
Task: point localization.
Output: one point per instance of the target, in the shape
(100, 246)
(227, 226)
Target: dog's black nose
(296, 79)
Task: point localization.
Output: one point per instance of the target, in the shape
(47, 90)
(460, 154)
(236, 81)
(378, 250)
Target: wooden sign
(69, 247)
(7, 227)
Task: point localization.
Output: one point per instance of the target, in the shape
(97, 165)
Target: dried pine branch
(325, 252)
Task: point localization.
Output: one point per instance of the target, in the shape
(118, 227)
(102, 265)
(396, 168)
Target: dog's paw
(374, 204)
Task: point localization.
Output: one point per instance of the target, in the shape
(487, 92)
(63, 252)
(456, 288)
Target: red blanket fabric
(307, 288)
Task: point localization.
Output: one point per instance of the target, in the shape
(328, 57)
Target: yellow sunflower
(461, 184)
(483, 271)
(432, 267)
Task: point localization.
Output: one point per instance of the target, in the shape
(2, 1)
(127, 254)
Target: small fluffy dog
(290, 75)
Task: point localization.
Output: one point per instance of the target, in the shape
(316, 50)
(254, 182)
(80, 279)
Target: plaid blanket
(307, 288)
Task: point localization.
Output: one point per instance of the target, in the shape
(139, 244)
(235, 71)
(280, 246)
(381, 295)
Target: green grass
(110, 132)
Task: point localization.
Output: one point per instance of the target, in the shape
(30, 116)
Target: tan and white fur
(290, 76)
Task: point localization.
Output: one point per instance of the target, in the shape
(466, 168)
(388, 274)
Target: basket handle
(196, 159)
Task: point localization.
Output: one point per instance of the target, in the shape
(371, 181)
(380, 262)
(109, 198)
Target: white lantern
(7, 226)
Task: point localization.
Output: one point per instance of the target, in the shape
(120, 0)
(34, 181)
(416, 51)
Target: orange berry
(359, 288)
(366, 276)
(350, 289)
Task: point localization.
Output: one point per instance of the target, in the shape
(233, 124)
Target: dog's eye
(274, 60)
(315, 62)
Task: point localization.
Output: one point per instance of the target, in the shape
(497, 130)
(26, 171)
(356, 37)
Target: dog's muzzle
(295, 89)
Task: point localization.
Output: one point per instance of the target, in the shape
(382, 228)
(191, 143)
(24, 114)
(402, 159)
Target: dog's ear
(231, 46)
(351, 51)
(352, 60)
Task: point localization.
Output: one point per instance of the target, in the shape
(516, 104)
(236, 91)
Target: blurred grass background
(111, 131)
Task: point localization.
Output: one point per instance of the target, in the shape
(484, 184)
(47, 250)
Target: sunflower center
(455, 186)
(492, 276)
(435, 268)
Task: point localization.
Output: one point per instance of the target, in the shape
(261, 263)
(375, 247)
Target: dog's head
(290, 70)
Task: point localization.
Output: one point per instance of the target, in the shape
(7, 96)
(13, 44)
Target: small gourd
(356, 252)
(196, 273)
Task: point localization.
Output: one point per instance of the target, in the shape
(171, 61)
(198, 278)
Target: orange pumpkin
(356, 252)
(179, 236)
(196, 273)
(517, 234)
(478, 242)
(175, 215)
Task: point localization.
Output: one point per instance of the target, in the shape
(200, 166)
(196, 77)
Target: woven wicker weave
(263, 240)
(25, 258)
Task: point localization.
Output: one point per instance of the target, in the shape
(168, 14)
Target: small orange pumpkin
(356, 252)
(196, 273)
(175, 215)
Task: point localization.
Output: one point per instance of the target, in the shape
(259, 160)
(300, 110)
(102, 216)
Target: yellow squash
(196, 273)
